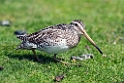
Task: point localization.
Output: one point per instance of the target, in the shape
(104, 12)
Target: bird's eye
(76, 24)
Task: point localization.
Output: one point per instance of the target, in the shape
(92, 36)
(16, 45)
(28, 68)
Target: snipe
(55, 39)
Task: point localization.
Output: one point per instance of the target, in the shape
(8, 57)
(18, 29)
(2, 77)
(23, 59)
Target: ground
(104, 23)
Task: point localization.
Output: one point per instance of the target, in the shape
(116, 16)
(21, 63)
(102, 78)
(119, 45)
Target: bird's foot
(38, 60)
(60, 60)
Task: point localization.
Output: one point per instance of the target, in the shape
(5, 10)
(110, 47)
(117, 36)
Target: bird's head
(79, 27)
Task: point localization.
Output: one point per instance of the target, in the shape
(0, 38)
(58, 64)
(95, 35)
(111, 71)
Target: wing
(33, 36)
(47, 35)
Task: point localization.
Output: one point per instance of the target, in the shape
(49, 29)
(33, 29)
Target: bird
(55, 39)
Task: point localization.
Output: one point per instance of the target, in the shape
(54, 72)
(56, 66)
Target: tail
(22, 37)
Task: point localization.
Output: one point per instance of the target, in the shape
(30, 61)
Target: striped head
(79, 27)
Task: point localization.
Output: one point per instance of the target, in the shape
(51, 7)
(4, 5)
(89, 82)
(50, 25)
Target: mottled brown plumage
(55, 39)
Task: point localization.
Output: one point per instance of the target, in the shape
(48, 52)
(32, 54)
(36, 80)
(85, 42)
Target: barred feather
(22, 37)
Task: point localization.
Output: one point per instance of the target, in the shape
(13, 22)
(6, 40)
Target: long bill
(91, 41)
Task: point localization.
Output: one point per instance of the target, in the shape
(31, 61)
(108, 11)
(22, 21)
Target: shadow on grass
(30, 57)
(120, 82)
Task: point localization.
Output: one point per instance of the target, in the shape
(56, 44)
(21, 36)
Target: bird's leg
(59, 60)
(33, 50)
(55, 58)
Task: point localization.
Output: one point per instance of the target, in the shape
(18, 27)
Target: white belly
(58, 47)
(54, 49)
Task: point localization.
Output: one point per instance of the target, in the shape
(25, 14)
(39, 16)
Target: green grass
(104, 21)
